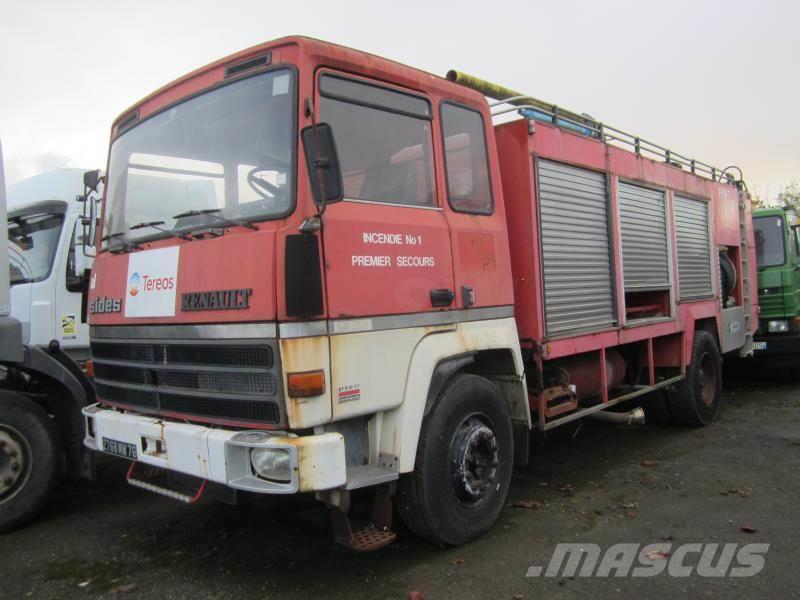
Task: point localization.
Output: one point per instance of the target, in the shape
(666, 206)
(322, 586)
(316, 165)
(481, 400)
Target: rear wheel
(463, 464)
(697, 399)
(30, 459)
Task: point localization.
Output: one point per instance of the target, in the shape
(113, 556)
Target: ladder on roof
(744, 249)
(538, 110)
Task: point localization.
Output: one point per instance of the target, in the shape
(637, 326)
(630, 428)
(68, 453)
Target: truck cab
(48, 263)
(777, 344)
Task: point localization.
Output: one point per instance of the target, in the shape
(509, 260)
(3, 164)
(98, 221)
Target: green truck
(777, 343)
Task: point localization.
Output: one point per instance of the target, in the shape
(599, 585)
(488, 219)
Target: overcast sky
(715, 80)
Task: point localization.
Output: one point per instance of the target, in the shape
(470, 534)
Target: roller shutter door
(693, 248)
(573, 212)
(642, 216)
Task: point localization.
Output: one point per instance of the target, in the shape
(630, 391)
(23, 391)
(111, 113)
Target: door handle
(442, 297)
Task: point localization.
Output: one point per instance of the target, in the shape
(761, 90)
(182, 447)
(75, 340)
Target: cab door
(71, 328)
(475, 211)
(794, 274)
(388, 264)
(387, 245)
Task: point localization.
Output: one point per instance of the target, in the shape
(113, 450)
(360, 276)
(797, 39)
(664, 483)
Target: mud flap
(522, 444)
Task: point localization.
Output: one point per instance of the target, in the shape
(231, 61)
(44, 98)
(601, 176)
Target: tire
(727, 273)
(697, 399)
(30, 459)
(452, 497)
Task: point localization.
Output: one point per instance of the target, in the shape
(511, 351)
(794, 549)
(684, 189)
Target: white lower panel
(219, 455)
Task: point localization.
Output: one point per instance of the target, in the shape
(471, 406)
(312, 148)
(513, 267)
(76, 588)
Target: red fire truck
(322, 271)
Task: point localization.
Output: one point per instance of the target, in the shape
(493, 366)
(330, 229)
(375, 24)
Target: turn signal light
(90, 368)
(306, 384)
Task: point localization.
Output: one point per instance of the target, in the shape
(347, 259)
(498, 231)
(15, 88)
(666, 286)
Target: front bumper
(778, 350)
(219, 455)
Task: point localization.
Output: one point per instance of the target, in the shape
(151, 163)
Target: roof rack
(507, 101)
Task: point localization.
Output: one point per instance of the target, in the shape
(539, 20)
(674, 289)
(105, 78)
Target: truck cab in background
(44, 272)
(48, 263)
(777, 343)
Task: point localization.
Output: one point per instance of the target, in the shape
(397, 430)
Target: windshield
(32, 244)
(770, 246)
(231, 149)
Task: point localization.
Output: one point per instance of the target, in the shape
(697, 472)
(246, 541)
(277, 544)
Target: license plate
(123, 449)
(759, 345)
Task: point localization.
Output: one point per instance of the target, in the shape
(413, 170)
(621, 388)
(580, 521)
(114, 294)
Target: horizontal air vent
(127, 121)
(257, 357)
(250, 63)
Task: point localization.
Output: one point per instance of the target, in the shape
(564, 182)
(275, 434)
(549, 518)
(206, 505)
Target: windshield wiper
(211, 213)
(123, 245)
(156, 225)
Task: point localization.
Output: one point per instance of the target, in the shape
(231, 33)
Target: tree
(790, 196)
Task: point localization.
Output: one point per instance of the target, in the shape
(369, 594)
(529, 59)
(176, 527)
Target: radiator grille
(126, 395)
(237, 356)
(238, 410)
(228, 381)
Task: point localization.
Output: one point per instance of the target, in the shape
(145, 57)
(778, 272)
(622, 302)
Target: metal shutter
(642, 217)
(573, 211)
(693, 246)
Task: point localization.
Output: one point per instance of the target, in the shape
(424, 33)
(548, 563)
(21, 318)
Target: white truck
(44, 272)
(48, 261)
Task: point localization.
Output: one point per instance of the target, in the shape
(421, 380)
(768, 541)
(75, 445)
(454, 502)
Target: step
(368, 539)
(360, 476)
(152, 479)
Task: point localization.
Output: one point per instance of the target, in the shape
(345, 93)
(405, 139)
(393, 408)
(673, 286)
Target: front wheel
(30, 459)
(463, 464)
(697, 399)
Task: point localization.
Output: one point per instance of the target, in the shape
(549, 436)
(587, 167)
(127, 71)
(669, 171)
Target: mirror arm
(317, 161)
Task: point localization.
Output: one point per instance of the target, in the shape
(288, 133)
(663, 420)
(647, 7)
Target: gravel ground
(590, 483)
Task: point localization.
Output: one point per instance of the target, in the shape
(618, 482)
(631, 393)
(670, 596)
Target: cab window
(383, 139)
(770, 244)
(468, 184)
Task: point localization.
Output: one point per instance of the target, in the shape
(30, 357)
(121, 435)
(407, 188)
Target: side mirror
(79, 264)
(323, 164)
(89, 222)
(91, 179)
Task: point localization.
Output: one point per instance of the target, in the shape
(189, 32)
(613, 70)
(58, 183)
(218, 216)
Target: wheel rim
(707, 378)
(474, 457)
(15, 462)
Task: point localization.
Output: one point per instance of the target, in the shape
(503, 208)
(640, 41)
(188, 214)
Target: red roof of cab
(317, 52)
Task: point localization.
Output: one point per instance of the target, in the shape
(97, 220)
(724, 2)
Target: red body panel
(240, 259)
(366, 278)
(519, 144)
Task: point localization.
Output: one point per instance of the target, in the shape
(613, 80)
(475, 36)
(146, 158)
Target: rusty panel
(306, 354)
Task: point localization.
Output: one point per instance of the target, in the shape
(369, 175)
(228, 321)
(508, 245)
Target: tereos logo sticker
(152, 283)
(133, 284)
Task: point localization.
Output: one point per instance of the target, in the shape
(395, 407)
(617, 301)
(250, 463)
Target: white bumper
(219, 455)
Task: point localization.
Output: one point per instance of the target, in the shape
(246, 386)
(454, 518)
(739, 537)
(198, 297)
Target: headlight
(778, 326)
(272, 463)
